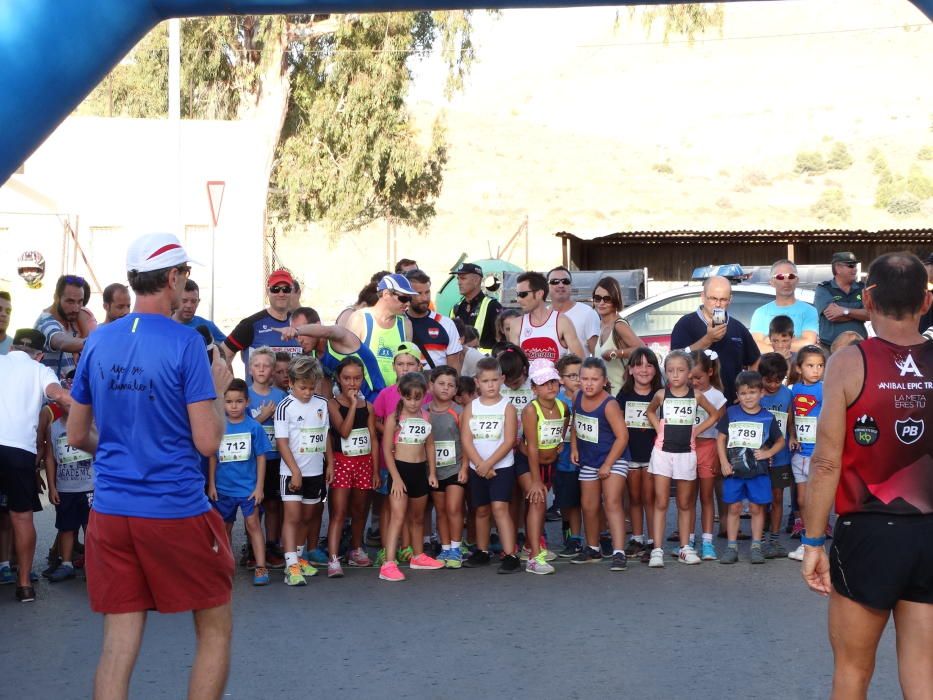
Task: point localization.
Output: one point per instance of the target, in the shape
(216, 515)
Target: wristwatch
(613, 355)
(845, 312)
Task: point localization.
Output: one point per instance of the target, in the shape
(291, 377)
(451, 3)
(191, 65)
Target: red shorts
(707, 458)
(353, 472)
(169, 565)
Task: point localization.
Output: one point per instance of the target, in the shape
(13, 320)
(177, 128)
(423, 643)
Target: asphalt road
(703, 631)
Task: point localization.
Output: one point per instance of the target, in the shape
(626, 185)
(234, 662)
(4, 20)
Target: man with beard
(59, 324)
(436, 335)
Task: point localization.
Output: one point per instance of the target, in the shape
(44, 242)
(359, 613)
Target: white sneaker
(657, 558)
(797, 554)
(688, 555)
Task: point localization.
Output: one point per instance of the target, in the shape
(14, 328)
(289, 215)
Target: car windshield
(659, 319)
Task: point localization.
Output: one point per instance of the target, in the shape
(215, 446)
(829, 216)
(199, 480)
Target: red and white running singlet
(887, 461)
(541, 342)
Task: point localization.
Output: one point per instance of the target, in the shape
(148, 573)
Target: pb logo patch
(865, 431)
(908, 431)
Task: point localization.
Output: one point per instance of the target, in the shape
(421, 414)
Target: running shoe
(797, 554)
(708, 552)
(605, 544)
(318, 557)
(510, 564)
(587, 555)
(552, 514)
(797, 529)
(539, 564)
(767, 549)
(633, 548)
(293, 576)
(334, 570)
(443, 556)
(657, 558)
(477, 559)
(757, 556)
(645, 556)
(261, 576)
(423, 561)
(688, 555)
(454, 559)
(618, 562)
(390, 572)
(571, 549)
(53, 565)
(7, 576)
(524, 554)
(405, 554)
(779, 550)
(381, 557)
(62, 573)
(729, 556)
(274, 560)
(358, 557)
(307, 569)
(466, 548)
(25, 594)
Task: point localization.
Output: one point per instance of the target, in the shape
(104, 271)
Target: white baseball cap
(156, 251)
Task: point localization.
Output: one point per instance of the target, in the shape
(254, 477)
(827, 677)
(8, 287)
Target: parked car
(653, 318)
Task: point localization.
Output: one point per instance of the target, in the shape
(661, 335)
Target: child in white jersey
(488, 432)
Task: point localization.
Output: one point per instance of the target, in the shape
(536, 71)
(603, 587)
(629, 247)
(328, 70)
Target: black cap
(29, 338)
(468, 269)
(844, 258)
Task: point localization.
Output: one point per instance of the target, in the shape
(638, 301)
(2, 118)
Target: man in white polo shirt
(584, 317)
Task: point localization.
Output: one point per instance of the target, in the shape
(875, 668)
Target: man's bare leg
(214, 628)
(123, 635)
(854, 632)
(914, 625)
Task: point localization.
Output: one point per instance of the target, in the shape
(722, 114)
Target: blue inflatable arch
(53, 52)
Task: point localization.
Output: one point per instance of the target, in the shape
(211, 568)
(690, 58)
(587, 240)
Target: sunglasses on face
(555, 282)
(280, 289)
(403, 298)
(849, 265)
(600, 299)
(781, 276)
(522, 295)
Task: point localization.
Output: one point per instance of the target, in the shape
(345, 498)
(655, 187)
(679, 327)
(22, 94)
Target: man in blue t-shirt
(784, 279)
(144, 381)
(730, 339)
(186, 314)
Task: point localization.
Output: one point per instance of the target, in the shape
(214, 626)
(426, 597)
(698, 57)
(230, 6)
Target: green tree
(688, 20)
(810, 162)
(831, 207)
(839, 158)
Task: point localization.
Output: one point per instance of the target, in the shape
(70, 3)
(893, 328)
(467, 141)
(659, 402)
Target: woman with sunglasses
(784, 279)
(616, 341)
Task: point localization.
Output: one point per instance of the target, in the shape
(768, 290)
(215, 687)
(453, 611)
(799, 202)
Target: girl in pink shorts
(705, 379)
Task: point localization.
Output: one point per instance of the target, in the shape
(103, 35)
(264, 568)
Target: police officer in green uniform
(838, 301)
(476, 308)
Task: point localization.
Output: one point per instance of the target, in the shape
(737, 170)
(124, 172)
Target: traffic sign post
(215, 199)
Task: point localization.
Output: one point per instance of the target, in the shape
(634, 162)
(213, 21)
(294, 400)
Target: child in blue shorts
(749, 436)
(237, 472)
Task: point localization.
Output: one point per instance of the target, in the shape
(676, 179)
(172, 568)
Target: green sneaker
(454, 559)
(306, 568)
(405, 554)
(380, 557)
(293, 576)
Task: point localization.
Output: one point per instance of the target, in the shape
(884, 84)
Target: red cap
(280, 276)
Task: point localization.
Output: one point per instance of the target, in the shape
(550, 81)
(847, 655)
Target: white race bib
(679, 411)
(446, 452)
(806, 429)
(487, 426)
(66, 454)
(781, 418)
(586, 427)
(750, 434)
(636, 414)
(270, 433)
(413, 431)
(311, 440)
(356, 443)
(519, 398)
(235, 447)
(702, 415)
(550, 433)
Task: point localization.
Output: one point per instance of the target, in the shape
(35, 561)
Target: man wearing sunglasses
(839, 301)
(583, 316)
(264, 327)
(383, 327)
(784, 279)
(64, 339)
(544, 333)
(476, 308)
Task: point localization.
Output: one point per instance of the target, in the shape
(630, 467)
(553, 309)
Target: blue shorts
(485, 491)
(73, 510)
(227, 506)
(383, 481)
(567, 489)
(756, 489)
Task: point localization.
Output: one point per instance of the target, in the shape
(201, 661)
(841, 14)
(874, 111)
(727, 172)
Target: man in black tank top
(874, 455)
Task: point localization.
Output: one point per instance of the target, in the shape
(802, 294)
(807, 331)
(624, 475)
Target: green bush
(878, 160)
(903, 204)
(839, 158)
(925, 153)
(831, 206)
(918, 184)
(663, 168)
(810, 162)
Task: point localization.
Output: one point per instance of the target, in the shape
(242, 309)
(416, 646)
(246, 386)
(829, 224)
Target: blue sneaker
(708, 552)
(62, 573)
(443, 555)
(318, 557)
(261, 576)
(454, 559)
(7, 576)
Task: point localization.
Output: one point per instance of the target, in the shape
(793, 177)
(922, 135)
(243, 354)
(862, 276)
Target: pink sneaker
(358, 557)
(390, 572)
(334, 570)
(423, 561)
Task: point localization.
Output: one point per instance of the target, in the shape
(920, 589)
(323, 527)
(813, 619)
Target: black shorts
(485, 491)
(781, 477)
(271, 487)
(18, 480)
(567, 489)
(414, 476)
(442, 484)
(522, 467)
(313, 489)
(73, 511)
(877, 559)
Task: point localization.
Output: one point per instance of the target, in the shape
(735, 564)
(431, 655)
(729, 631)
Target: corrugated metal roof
(760, 236)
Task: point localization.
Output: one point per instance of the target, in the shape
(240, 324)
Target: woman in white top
(616, 339)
